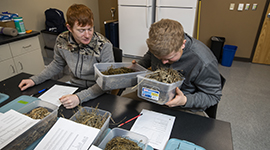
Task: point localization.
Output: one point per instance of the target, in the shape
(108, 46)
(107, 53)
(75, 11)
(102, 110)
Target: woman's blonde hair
(165, 36)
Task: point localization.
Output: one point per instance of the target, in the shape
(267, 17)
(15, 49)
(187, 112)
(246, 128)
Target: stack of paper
(67, 134)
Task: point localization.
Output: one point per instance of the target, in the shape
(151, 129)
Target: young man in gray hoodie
(78, 48)
(170, 47)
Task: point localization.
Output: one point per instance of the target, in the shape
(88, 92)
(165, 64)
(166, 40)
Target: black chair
(212, 110)
(118, 56)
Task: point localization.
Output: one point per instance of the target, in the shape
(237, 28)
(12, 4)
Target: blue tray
(176, 144)
(18, 103)
(3, 97)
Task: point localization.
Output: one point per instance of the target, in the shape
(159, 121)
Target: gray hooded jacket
(80, 60)
(202, 84)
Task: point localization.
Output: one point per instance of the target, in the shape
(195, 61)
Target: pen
(39, 92)
(130, 120)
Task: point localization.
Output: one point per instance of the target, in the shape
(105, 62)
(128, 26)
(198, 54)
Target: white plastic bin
(140, 139)
(39, 129)
(100, 112)
(155, 91)
(117, 81)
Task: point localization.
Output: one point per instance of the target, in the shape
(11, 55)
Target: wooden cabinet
(21, 56)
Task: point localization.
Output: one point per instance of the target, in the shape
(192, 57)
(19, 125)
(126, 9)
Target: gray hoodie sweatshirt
(202, 84)
(80, 60)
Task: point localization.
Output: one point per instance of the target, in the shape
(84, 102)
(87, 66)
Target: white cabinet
(21, 56)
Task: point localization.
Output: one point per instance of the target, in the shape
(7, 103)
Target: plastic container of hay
(155, 91)
(117, 81)
(103, 129)
(141, 140)
(39, 129)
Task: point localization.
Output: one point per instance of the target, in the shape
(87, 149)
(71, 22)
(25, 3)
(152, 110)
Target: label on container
(18, 21)
(22, 102)
(150, 93)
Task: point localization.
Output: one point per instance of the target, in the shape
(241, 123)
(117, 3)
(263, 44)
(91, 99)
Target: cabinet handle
(12, 68)
(21, 65)
(27, 46)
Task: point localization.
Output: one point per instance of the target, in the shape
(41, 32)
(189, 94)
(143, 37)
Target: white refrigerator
(136, 16)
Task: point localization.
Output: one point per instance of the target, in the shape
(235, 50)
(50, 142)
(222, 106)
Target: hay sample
(122, 70)
(92, 119)
(120, 143)
(166, 75)
(38, 113)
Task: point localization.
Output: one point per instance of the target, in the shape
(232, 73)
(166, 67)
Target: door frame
(259, 30)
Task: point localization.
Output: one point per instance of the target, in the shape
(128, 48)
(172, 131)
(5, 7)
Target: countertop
(7, 39)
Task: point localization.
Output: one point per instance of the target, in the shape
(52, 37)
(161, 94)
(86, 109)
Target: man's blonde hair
(165, 36)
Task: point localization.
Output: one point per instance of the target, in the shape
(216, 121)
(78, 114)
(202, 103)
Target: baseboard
(242, 59)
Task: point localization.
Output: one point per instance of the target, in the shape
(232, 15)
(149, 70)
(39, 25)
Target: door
(182, 11)
(134, 24)
(135, 2)
(185, 16)
(262, 51)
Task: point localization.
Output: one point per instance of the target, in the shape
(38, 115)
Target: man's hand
(26, 83)
(179, 100)
(70, 101)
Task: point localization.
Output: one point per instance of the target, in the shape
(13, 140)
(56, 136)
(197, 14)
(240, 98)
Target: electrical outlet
(232, 6)
(247, 7)
(254, 7)
(240, 6)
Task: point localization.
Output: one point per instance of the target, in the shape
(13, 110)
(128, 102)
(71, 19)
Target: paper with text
(55, 92)
(155, 126)
(12, 125)
(68, 135)
(93, 147)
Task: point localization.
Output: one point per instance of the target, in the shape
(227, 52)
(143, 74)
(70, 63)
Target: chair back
(212, 110)
(118, 54)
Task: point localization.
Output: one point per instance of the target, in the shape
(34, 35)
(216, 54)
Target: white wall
(33, 15)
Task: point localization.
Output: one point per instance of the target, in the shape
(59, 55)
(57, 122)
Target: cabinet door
(31, 62)
(7, 68)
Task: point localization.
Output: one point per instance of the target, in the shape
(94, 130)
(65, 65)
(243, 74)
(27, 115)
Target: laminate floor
(245, 104)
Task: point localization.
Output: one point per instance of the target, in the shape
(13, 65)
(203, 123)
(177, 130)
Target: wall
(238, 27)
(105, 12)
(32, 11)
